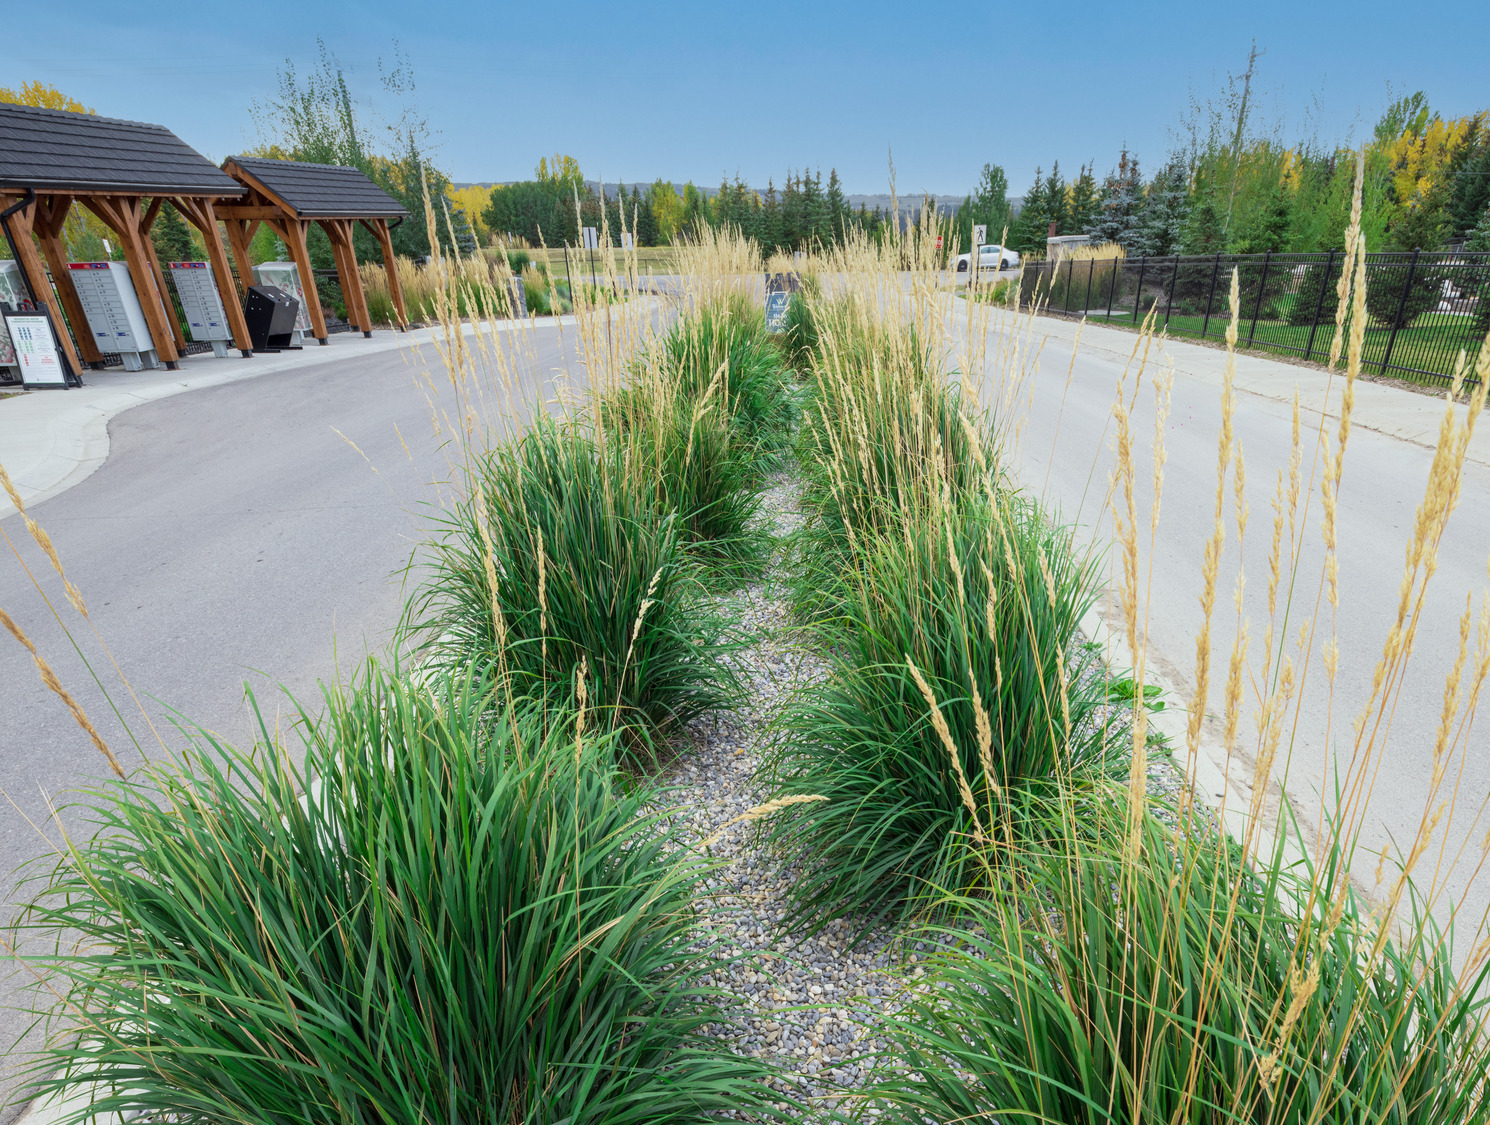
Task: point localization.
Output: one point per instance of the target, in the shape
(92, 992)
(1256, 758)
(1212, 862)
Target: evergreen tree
(1055, 203)
(837, 209)
(1469, 194)
(1032, 226)
(171, 236)
(461, 233)
(793, 222)
(990, 202)
(816, 230)
(1083, 200)
(1479, 241)
(770, 225)
(1167, 210)
(1266, 227)
(1120, 210)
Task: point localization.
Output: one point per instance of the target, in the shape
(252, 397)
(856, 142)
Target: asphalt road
(254, 533)
(1066, 454)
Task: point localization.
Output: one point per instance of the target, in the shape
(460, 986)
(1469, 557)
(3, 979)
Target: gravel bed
(814, 1006)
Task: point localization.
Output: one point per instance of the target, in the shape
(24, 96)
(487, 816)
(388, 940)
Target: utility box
(285, 276)
(13, 292)
(205, 320)
(107, 294)
(270, 313)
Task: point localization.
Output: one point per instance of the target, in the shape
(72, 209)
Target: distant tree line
(553, 206)
(1427, 183)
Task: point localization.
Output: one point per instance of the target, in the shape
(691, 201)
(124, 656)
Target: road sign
(627, 242)
(980, 234)
(938, 242)
(35, 349)
(591, 238)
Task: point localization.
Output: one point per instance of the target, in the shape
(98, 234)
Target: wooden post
(48, 229)
(292, 232)
(348, 274)
(146, 222)
(122, 214)
(339, 254)
(379, 229)
(20, 225)
(200, 214)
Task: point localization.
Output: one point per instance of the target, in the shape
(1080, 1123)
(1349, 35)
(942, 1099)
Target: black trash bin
(270, 313)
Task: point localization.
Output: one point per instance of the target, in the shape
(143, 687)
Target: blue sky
(695, 90)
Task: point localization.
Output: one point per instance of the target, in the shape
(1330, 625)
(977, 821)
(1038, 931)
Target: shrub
(1192, 985)
(883, 440)
(573, 564)
(730, 334)
(518, 260)
(463, 918)
(978, 608)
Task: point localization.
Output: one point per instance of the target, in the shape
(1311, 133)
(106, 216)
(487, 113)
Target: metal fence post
(1324, 284)
(1210, 298)
(1091, 268)
(1262, 285)
(1412, 268)
(1112, 285)
(1143, 260)
(1173, 277)
(1070, 269)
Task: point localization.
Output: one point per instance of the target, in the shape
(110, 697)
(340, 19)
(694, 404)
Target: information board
(35, 349)
(205, 319)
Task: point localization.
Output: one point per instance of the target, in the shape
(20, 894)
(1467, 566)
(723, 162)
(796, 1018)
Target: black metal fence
(1422, 309)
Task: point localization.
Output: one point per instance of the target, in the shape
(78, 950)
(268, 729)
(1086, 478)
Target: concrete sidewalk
(50, 440)
(1394, 411)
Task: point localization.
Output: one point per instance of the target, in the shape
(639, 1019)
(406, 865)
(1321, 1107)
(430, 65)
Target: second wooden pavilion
(290, 196)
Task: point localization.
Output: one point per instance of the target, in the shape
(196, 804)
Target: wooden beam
(51, 216)
(200, 213)
(122, 214)
(250, 211)
(146, 222)
(340, 233)
(379, 228)
(240, 234)
(292, 232)
(20, 226)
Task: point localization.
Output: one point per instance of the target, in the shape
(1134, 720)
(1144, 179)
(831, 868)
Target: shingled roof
(320, 191)
(54, 150)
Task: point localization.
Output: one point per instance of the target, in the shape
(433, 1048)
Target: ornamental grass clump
(1169, 961)
(447, 909)
(1193, 985)
(560, 558)
(959, 699)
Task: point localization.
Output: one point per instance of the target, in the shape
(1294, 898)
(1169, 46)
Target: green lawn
(1427, 349)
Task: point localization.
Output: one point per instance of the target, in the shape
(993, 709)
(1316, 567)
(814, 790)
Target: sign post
(36, 350)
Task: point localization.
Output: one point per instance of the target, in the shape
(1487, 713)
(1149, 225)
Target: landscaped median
(744, 758)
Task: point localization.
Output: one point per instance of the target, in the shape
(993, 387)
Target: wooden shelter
(290, 195)
(122, 171)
